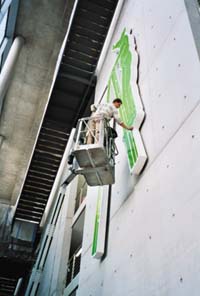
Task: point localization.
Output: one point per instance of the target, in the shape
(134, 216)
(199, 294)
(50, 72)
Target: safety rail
(93, 153)
(96, 131)
(90, 130)
(73, 266)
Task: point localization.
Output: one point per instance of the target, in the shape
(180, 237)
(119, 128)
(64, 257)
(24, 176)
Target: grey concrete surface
(43, 25)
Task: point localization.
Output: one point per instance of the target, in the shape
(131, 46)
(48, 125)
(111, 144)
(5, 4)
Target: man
(106, 111)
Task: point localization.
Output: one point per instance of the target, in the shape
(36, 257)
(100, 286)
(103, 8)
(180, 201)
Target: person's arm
(126, 127)
(120, 122)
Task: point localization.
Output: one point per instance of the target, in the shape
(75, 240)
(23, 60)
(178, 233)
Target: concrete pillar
(8, 67)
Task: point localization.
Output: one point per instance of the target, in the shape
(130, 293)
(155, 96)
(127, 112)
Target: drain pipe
(109, 36)
(8, 68)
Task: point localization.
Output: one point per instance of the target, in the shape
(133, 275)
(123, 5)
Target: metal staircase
(72, 94)
(7, 286)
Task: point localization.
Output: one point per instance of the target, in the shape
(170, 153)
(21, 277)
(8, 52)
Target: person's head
(117, 103)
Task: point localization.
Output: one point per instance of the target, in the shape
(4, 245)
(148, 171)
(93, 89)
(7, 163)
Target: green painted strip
(119, 84)
(130, 148)
(96, 225)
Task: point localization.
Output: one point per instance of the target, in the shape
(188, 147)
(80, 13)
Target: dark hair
(117, 100)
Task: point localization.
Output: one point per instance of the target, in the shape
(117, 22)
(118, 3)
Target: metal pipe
(7, 71)
(18, 286)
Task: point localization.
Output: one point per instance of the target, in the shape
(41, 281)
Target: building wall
(53, 277)
(153, 242)
(49, 273)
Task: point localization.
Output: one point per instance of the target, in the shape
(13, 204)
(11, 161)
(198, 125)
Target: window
(81, 192)
(3, 27)
(8, 15)
(2, 2)
(73, 293)
(73, 266)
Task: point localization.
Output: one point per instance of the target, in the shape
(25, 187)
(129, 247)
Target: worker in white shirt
(106, 111)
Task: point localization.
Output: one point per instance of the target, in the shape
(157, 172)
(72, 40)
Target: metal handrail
(73, 266)
(84, 129)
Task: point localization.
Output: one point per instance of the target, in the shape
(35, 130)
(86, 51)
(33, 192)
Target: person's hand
(93, 108)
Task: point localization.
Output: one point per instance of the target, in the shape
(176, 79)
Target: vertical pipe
(73, 267)
(18, 286)
(7, 71)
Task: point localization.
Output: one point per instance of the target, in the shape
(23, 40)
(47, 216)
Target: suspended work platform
(94, 152)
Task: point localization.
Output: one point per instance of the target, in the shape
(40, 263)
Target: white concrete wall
(154, 244)
(53, 278)
(49, 273)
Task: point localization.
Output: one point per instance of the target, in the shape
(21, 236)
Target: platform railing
(95, 131)
(90, 130)
(73, 266)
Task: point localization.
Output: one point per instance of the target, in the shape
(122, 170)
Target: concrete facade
(153, 244)
(43, 25)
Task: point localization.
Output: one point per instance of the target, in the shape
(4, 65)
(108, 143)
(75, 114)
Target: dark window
(3, 27)
(74, 262)
(73, 293)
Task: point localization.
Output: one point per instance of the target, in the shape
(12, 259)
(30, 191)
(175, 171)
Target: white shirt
(108, 111)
